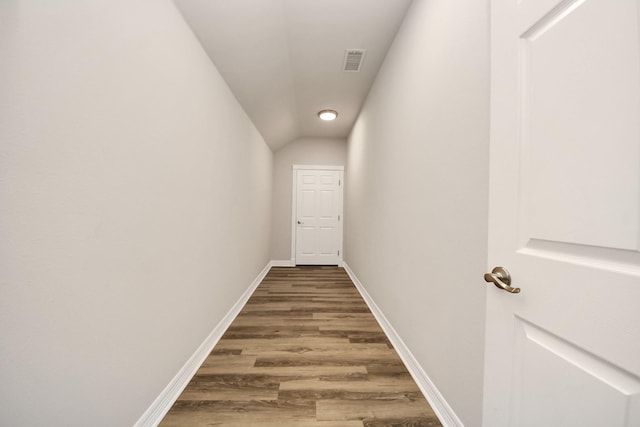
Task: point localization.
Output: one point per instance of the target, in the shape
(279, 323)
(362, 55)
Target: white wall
(134, 207)
(416, 193)
(303, 151)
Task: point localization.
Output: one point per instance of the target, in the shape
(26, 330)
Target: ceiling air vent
(353, 60)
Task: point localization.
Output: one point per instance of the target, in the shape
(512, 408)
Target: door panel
(579, 125)
(327, 208)
(318, 229)
(306, 241)
(614, 394)
(565, 214)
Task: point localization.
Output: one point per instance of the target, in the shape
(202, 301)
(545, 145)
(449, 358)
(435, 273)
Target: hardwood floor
(304, 351)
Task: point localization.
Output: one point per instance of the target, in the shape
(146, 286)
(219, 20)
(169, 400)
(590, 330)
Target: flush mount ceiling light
(328, 115)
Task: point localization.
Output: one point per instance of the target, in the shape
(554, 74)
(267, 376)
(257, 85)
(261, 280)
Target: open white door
(564, 214)
(317, 228)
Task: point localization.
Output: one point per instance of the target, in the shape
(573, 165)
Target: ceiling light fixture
(328, 115)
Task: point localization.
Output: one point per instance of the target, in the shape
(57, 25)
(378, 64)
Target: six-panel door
(318, 209)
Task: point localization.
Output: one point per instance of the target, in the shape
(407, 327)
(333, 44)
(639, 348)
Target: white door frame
(294, 204)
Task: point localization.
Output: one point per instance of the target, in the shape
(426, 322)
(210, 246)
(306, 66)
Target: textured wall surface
(416, 194)
(135, 201)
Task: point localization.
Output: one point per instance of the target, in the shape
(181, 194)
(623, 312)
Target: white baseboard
(438, 403)
(283, 263)
(159, 408)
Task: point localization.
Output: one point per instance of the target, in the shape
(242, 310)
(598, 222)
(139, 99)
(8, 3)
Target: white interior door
(318, 221)
(564, 214)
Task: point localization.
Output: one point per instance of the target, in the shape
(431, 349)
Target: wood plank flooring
(304, 351)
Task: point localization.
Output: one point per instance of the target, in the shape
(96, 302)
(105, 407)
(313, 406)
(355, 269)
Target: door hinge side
(338, 217)
(338, 252)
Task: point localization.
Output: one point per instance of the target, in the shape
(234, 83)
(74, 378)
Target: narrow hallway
(304, 351)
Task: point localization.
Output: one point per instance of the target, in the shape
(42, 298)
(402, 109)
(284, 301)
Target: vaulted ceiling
(283, 58)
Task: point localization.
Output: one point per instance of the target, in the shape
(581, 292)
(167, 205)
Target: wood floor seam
(304, 351)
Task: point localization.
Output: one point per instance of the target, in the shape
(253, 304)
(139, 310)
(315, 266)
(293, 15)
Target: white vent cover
(353, 60)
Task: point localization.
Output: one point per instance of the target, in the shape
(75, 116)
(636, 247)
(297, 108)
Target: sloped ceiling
(283, 58)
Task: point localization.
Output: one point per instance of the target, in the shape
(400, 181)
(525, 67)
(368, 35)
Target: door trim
(294, 199)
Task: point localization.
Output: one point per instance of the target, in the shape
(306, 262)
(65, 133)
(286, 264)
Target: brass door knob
(500, 277)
